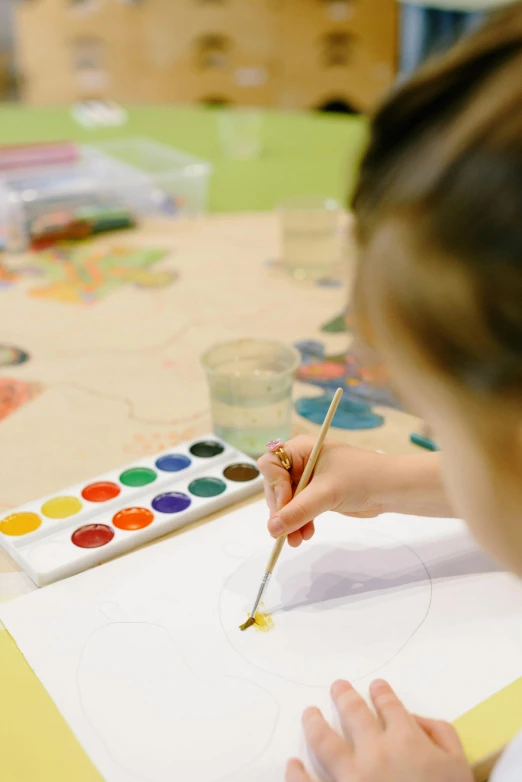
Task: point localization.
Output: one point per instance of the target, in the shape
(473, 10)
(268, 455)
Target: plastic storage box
(137, 175)
(180, 181)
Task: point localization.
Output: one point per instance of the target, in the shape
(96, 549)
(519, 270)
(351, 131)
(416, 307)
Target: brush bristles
(249, 622)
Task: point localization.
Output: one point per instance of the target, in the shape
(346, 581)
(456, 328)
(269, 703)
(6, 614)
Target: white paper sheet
(145, 660)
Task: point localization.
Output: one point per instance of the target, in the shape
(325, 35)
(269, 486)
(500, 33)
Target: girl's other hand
(389, 746)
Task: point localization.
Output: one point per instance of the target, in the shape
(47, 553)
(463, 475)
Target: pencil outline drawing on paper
(332, 581)
(354, 576)
(152, 731)
(315, 583)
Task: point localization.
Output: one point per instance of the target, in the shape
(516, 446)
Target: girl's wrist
(413, 485)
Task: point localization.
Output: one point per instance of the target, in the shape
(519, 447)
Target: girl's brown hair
(439, 216)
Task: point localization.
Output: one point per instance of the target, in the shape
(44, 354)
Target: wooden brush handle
(274, 556)
(307, 472)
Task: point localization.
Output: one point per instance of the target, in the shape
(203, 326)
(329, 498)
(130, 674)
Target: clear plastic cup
(250, 383)
(240, 131)
(313, 237)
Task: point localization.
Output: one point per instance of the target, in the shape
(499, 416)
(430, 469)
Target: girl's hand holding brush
(352, 481)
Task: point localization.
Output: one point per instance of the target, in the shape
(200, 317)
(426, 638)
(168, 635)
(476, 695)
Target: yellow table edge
(37, 745)
(486, 729)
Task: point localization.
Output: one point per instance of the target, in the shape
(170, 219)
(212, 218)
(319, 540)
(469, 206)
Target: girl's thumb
(311, 502)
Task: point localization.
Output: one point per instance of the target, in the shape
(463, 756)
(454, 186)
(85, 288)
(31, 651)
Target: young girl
(439, 216)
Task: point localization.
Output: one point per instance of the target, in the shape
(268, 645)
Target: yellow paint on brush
(263, 622)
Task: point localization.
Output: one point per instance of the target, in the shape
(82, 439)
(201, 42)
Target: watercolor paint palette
(93, 521)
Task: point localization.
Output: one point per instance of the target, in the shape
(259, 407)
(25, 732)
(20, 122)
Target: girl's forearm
(414, 485)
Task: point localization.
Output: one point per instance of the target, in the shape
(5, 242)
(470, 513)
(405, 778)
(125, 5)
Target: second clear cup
(250, 382)
(312, 237)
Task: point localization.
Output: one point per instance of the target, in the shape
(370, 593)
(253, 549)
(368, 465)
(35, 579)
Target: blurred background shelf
(299, 54)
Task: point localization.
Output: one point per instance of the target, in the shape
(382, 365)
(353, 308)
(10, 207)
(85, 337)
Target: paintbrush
(305, 478)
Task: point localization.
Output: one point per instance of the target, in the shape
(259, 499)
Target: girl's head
(439, 291)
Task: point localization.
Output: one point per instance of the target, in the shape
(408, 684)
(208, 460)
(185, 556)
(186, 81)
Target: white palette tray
(93, 521)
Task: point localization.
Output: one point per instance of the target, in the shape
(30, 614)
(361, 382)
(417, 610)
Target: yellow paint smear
(263, 622)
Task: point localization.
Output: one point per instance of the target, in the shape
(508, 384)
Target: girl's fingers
(332, 752)
(298, 449)
(278, 479)
(296, 772)
(310, 503)
(305, 533)
(308, 530)
(391, 710)
(270, 498)
(357, 720)
(295, 539)
(443, 734)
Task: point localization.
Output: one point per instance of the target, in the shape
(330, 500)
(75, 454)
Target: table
(312, 154)
(110, 378)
